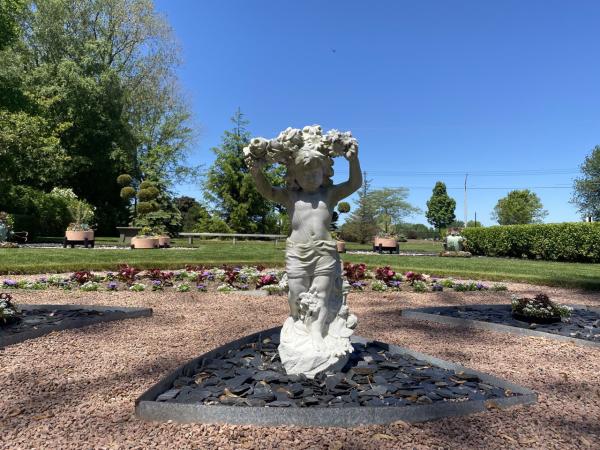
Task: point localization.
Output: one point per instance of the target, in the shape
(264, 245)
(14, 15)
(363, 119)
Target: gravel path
(76, 388)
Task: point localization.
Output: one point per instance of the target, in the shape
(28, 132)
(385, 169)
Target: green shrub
(38, 212)
(148, 194)
(127, 193)
(145, 207)
(576, 242)
(124, 180)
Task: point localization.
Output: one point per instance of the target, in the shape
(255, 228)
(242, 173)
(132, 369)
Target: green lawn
(416, 245)
(30, 260)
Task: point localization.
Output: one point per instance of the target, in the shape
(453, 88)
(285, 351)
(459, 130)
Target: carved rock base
(300, 353)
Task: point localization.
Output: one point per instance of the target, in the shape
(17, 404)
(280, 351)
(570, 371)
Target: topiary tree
(144, 198)
(342, 208)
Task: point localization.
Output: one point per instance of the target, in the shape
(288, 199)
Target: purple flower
(43, 280)
(244, 287)
(208, 275)
(201, 287)
(395, 283)
(111, 286)
(10, 283)
(358, 285)
(481, 286)
(437, 287)
(156, 282)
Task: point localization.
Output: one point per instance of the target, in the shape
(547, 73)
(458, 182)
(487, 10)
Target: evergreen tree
(361, 226)
(230, 186)
(440, 207)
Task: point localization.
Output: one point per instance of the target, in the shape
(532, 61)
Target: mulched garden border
(107, 314)
(436, 314)
(148, 408)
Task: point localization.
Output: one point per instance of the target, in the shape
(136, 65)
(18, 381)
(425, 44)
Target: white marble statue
(316, 335)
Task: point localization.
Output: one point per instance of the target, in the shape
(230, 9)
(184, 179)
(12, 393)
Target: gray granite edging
(429, 315)
(148, 409)
(113, 313)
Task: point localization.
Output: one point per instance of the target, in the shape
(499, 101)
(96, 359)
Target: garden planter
(79, 235)
(539, 320)
(341, 246)
(164, 241)
(144, 242)
(385, 245)
(73, 238)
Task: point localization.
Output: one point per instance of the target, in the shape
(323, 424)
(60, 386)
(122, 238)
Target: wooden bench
(235, 236)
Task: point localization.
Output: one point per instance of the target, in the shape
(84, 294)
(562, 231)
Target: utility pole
(466, 216)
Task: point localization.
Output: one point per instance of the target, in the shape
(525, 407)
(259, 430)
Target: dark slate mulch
(584, 323)
(43, 319)
(252, 375)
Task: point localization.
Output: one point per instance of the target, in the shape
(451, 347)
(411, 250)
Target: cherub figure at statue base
(302, 349)
(315, 337)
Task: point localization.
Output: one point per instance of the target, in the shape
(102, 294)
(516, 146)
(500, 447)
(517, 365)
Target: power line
(488, 187)
(490, 173)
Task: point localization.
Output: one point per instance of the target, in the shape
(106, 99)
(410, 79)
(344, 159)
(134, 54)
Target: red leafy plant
(266, 280)
(231, 274)
(157, 274)
(355, 272)
(411, 277)
(82, 276)
(127, 273)
(385, 274)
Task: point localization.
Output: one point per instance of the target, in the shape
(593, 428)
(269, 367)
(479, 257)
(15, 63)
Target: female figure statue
(315, 337)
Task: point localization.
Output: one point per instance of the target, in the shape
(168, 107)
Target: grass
(416, 245)
(32, 260)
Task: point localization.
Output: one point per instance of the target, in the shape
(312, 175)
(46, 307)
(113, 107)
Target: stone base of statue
(303, 352)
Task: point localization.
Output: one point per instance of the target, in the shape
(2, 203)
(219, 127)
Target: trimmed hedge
(575, 242)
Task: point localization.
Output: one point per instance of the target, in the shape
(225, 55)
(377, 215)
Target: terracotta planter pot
(385, 242)
(164, 241)
(341, 246)
(80, 235)
(144, 242)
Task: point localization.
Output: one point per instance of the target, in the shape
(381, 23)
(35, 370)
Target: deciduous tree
(519, 207)
(586, 188)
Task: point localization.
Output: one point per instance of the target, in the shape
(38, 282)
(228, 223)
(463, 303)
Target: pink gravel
(76, 388)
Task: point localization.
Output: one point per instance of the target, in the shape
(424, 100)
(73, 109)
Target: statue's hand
(352, 153)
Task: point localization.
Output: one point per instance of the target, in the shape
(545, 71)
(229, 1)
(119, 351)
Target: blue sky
(506, 91)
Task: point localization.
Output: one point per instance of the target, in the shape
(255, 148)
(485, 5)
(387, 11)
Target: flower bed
(540, 309)
(229, 279)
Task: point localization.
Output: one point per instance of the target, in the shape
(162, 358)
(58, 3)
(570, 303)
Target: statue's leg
(296, 287)
(322, 285)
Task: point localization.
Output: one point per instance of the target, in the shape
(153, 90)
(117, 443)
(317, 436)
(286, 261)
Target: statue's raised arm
(355, 178)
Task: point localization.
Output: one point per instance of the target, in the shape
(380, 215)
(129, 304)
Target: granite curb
(147, 408)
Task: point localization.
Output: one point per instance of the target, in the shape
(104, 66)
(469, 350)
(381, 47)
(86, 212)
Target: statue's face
(310, 177)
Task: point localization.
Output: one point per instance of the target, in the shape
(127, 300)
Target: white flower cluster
(8, 311)
(285, 147)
